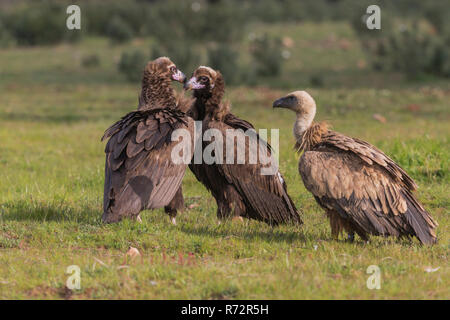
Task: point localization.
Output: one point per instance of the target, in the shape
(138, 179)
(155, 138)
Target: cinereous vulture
(240, 189)
(361, 189)
(139, 171)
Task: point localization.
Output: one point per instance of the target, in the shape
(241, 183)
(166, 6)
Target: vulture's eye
(203, 79)
(173, 69)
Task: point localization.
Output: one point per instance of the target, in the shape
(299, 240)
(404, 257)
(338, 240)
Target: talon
(173, 220)
(138, 218)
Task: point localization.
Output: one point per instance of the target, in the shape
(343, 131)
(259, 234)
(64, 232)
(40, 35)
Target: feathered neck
(311, 136)
(209, 105)
(156, 92)
(199, 106)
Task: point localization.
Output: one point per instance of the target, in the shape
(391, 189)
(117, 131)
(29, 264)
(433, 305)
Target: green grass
(53, 113)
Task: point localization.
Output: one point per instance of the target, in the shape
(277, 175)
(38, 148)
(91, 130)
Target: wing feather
(265, 195)
(376, 201)
(139, 169)
(369, 154)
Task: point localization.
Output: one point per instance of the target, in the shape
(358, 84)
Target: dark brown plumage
(239, 189)
(139, 172)
(361, 189)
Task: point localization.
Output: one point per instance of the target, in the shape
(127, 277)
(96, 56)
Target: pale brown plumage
(239, 189)
(361, 189)
(139, 171)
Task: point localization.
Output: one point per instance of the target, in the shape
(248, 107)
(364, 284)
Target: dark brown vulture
(139, 171)
(240, 189)
(361, 189)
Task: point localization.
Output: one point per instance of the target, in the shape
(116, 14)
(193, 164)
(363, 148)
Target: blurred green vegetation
(414, 39)
(131, 65)
(414, 45)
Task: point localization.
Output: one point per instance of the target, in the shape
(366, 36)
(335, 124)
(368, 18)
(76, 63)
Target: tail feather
(294, 214)
(420, 221)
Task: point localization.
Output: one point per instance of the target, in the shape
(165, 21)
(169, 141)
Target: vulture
(360, 188)
(239, 188)
(139, 171)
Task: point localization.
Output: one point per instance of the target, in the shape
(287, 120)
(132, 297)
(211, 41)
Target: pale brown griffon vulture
(139, 171)
(361, 189)
(240, 189)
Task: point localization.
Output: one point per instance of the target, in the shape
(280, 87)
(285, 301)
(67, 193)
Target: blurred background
(284, 43)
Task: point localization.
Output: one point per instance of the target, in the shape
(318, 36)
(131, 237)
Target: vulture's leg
(335, 223)
(175, 205)
(227, 210)
(238, 211)
(230, 206)
(351, 237)
(362, 235)
(137, 218)
(224, 203)
(351, 228)
(223, 210)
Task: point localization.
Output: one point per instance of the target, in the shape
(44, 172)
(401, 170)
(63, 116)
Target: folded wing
(259, 182)
(362, 184)
(139, 171)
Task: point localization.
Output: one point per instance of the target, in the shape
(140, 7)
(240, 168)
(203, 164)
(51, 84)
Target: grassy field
(53, 113)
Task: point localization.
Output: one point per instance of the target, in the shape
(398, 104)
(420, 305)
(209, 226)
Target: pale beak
(179, 76)
(192, 84)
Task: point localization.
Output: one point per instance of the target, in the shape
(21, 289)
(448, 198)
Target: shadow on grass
(269, 235)
(32, 210)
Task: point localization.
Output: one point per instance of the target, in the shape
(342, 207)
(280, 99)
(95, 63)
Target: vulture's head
(298, 101)
(207, 82)
(164, 68)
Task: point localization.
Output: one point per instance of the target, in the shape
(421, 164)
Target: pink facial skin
(193, 84)
(178, 76)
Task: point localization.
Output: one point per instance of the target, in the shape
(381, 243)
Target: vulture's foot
(136, 218)
(238, 219)
(351, 237)
(172, 212)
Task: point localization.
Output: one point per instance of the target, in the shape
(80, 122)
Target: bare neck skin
(303, 122)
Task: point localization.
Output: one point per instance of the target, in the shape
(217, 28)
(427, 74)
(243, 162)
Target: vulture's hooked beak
(285, 102)
(193, 84)
(179, 76)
